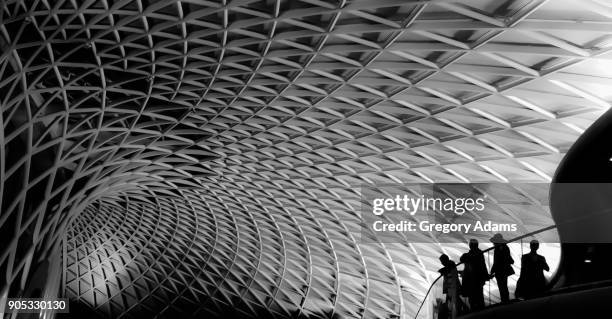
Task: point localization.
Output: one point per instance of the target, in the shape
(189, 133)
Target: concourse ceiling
(204, 157)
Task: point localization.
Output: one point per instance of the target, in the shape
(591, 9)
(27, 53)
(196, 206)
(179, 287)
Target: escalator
(581, 207)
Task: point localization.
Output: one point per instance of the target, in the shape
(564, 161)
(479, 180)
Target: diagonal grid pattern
(206, 156)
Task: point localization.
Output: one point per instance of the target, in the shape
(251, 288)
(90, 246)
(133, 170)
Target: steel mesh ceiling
(205, 157)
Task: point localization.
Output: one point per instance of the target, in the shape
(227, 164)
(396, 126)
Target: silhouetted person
(502, 266)
(475, 275)
(532, 282)
(450, 287)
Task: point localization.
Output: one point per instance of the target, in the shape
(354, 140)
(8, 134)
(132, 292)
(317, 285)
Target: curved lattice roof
(202, 156)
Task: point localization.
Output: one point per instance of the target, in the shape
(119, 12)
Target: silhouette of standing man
(450, 287)
(532, 282)
(502, 266)
(475, 275)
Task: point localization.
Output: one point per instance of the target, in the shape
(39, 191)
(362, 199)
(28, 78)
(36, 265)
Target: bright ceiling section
(201, 157)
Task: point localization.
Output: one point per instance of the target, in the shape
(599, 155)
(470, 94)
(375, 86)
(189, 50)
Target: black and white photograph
(305, 159)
